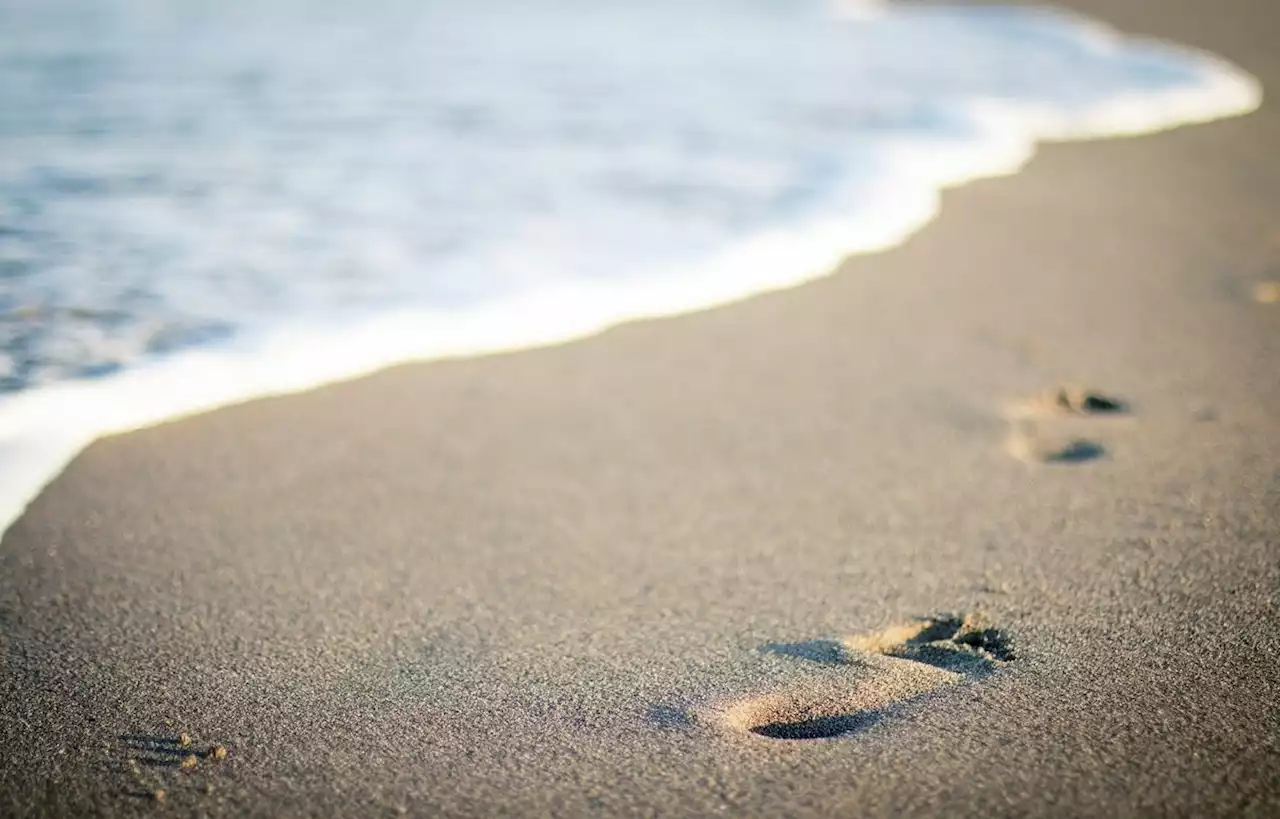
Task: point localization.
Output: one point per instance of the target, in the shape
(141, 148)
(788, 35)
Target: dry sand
(569, 581)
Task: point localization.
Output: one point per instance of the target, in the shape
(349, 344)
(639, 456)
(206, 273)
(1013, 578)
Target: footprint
(1033, 445)
(1066, 401)
(864, 678)
(161, 766)
(1060, 425)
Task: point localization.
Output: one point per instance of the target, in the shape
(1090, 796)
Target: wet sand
(647, 573)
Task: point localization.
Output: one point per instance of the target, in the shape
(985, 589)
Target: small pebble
(1266, 292)
(189, 762)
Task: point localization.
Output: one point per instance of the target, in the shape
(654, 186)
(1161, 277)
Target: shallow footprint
(1060, 425)
(878, 671)
(1067, 400)
(1029, 443)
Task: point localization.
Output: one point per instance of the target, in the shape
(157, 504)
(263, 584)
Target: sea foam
(204, 205)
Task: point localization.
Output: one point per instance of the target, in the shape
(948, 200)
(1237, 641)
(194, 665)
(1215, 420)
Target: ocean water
(202, 202)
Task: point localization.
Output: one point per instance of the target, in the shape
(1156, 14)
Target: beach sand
(616, 577)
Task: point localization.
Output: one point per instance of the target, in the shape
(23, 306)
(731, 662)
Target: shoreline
(539, 581)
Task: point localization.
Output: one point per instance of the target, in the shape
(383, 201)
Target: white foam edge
(43, 429)
(858, 9)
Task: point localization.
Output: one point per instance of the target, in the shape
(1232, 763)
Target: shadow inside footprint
(819, 728)
(827, 652)
(988, 640)
(970, 664)
(1076, 452)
